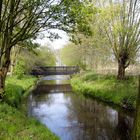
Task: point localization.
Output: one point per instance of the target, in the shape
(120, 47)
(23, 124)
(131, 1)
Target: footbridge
(55, 70)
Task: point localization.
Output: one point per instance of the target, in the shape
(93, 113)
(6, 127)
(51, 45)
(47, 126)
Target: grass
(14, 123)
(107, 88)
(136, 127)
(16, 87)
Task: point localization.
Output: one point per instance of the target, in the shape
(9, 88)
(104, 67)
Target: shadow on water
(52, 88)
(74, 117)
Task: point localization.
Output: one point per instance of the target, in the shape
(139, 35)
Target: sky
(55, 44)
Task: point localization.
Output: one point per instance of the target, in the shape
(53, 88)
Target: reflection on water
(52, 88)
(73, 117)
(56, 77)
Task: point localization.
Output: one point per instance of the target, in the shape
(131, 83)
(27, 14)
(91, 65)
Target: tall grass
(16, 87)
(14, 124)
(107, 88)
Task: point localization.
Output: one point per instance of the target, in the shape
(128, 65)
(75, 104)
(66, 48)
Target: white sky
(56, 43)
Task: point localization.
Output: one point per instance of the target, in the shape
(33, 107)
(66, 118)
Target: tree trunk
(121, 71)
(2, 81)
(3, 71)
(14, 54)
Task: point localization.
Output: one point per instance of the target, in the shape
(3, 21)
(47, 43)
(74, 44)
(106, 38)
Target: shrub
(19, 69)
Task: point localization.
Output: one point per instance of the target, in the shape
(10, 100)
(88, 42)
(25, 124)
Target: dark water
(74, 117)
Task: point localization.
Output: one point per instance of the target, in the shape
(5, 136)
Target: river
(74, 117)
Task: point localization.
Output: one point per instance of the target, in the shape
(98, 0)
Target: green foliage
(90, 53)
(115, 36)
(107, 88)
(29, 59)
(16, 126)
(70, 56)
(20, 68)
(45, 57)
(15, 88)
(13, 94)
(23, 20)
(119, 24)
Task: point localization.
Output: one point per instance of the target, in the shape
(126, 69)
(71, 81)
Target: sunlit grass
(15, 88)
(107, 88)
(14, 123)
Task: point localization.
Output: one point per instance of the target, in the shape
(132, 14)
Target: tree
(14, 54)
(17, 50)
(89, 52)
(27, 60)
(71, 55)
(121, 26)
(21, 20)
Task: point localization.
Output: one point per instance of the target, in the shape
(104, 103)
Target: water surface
(74, 117)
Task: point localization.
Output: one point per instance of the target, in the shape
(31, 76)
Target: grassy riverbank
(15, 89)
(14, 123)
(107, 88)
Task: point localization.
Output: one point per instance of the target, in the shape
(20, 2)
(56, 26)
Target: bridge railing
(55, 70)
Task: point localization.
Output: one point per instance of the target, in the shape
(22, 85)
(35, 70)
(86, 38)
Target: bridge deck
(55, 70)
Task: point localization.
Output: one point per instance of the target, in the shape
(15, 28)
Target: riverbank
(14, 123)
(107, 88)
